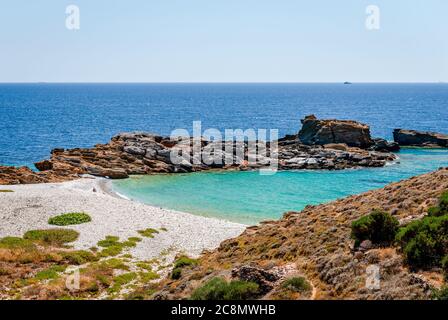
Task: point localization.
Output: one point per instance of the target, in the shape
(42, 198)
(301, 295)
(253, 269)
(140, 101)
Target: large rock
(420, 138)
(321, 132)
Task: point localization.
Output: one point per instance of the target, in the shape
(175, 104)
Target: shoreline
(30, 206)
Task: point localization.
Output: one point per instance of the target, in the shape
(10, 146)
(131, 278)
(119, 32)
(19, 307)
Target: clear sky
(224, 41)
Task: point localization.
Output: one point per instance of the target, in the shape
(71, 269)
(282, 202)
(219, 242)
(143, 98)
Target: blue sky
(224, 41)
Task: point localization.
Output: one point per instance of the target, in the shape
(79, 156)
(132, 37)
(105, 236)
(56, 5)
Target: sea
(37, 117)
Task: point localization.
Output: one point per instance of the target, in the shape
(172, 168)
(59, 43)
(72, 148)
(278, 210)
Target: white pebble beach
(29, 207)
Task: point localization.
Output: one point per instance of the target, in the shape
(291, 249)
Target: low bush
(148, 233)
(176, 273)
(443, 202)
(219, 289)
(445, 266)
(442, 207)
(441, 294)
(50, 273)
(6, 191)
(298, 284)
(113, 247)
(70, 219)
(379, 227)
(79, 257)
(184, 261)
(180, 263)
(425, 242)
(57, 237)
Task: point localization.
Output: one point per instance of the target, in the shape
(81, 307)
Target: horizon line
(223, 82)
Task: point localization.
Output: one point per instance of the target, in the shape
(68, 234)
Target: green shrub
(180, 263)
(6, 191)
(298, 284)
(442, 207)
(443, 202)
(70, 219)
(176, 273)
(378, 227)
(441, 294)
(425, 242)
(184, 261)
(445, 266)
(56, 237)
(435, 212)
(219, 289)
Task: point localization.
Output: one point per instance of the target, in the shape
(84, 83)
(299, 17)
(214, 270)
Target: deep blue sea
(38, 117)
(34, 118)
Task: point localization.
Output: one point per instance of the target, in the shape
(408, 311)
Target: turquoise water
(248, 197)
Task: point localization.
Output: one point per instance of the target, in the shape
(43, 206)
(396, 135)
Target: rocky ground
(315, 244)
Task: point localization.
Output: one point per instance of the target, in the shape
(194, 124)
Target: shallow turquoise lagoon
(249, 197)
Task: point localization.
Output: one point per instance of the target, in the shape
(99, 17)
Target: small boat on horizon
(347, 82)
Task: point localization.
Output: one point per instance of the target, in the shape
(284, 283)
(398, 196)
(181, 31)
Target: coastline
(30, 206)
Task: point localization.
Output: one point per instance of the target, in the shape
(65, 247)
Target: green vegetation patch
(219, 289)
(57, 237)
(16, 243)
(441, 294)
(109, 241)
(115, 263)
(442, 207)
(379, 227)
(50, 273)
(180, 263)
(184, 261)
(79, 257)
(148, 276)
(70, 219)
(122, 280)
(297, 284)
(425, 242)
(113, 247)
(6, 191)
(148, 233)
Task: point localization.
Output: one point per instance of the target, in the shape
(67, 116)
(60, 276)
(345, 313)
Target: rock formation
(321, 144)
(420, 138)
(320, 132)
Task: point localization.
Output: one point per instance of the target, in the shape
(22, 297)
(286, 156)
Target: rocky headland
(320, 144)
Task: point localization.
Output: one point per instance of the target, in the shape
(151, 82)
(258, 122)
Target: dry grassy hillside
(315, 244)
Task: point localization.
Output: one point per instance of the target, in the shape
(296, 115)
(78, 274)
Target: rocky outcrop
(317, 243)
(320, 132)
(24, 175)
(420, 138)
(145, 153)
